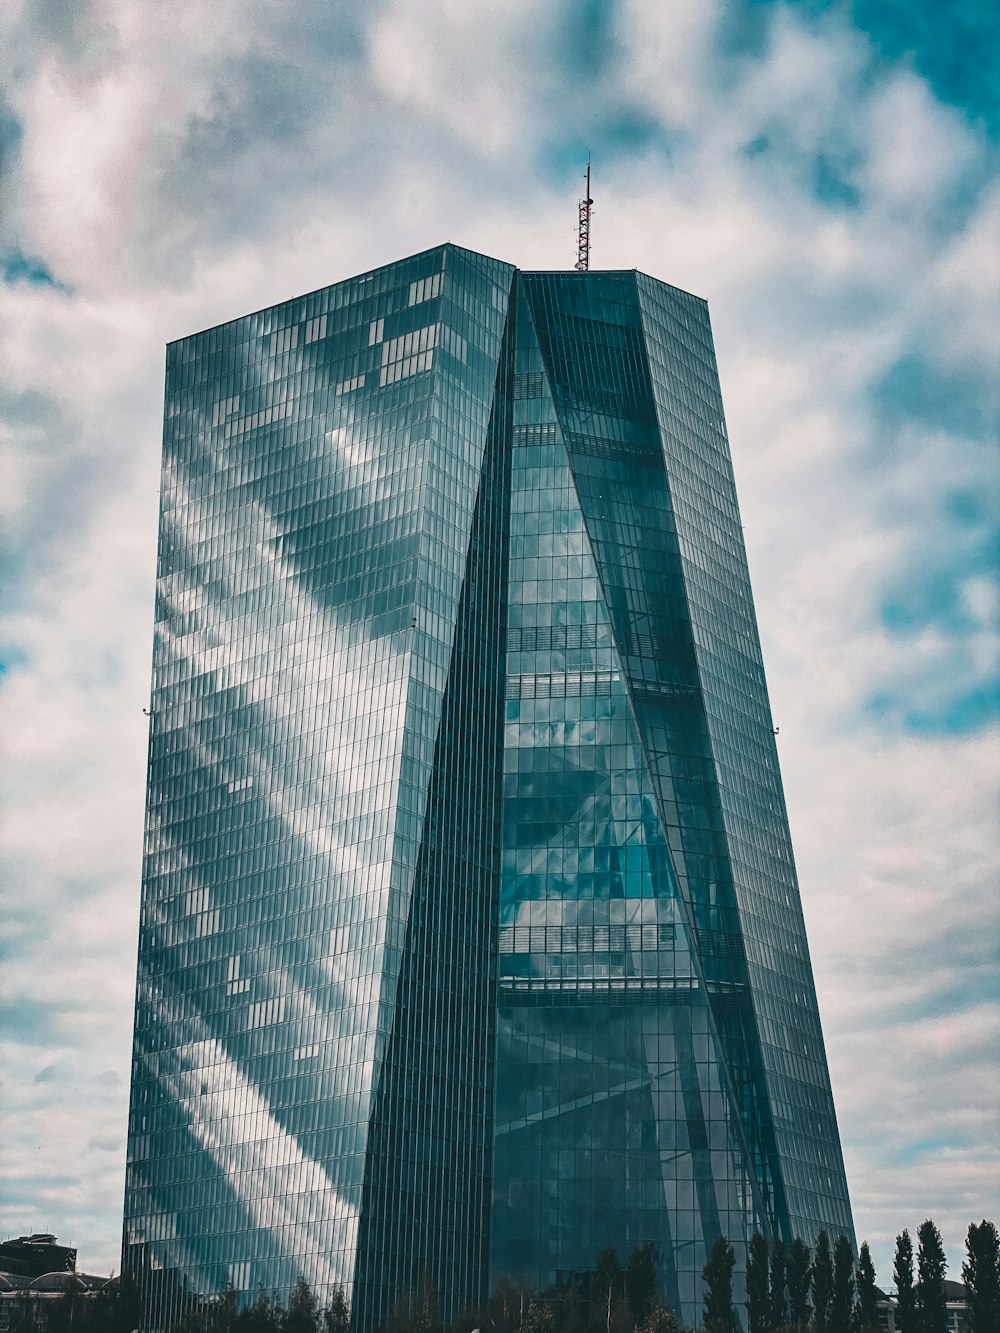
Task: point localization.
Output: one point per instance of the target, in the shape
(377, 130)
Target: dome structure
(57, 1284)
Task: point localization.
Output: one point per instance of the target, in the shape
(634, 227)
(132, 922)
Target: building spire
(583, 232)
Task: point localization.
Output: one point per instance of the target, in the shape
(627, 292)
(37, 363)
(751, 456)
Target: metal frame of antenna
(583, 231)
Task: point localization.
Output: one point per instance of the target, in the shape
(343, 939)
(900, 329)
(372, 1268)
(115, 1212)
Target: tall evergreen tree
(799, 1275)
(981, 1275)
(779, 1284)
(932, 1300)
(867, 1308)
(720, 1313)
(841, 1316)
(337, 1314)
(758, 1291)
(822, 1283)
(640, 1281)
(906, 1296)
(302, 1315)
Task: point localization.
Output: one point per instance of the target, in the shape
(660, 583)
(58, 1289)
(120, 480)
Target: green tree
(607, 1284)
(758, 1290)
(717, 1274)
(799, 1277)
(981, 1275)
(841, 1316)
(867, 1307)
(223, 1313)
(902, 1273)
(660, 1320)
(126, 1306)
(337, 1313)
(192, 1321)
(779, 1284)
(65, 1314)
(505, 1308)
(264, 1316)
(21, 1314)
(426, 1318)
(640, 1281)
(822, 1282)
(932, 1300)
(539, 1317)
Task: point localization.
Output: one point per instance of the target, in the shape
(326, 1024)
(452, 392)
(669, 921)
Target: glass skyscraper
(470, 939)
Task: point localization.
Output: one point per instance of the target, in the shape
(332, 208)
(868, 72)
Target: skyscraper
(470, 940)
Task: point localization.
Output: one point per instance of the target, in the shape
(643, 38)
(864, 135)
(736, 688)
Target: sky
(827, 175)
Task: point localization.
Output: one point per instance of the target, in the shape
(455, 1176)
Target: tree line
(796, 1290)
(789, 1289)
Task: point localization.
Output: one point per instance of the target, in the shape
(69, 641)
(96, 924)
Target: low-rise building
(958, 1307)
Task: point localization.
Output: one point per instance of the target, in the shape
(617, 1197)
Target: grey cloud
(111, 1144)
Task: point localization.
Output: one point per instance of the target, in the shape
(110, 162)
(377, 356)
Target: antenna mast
(583, 232)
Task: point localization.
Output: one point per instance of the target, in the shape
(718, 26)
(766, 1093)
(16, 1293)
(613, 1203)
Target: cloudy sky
(825, 174)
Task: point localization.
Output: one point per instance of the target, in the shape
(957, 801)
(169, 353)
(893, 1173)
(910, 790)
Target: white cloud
(183, 165)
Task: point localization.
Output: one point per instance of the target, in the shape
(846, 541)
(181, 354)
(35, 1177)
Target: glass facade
(470, 936)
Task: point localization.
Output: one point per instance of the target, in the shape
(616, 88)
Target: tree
(822, 1283)
(867, 1308)
(21, 1314)
(799, 1277)
(425, 1316)
(932, 1300)
(222, 1316)
(539, 1317)
(192, 1321)
(981, 1275)
(607, 1283)
(640, 1281)
(720, 1314)
(505, 1308)
(758, 1291)
(126, 1312)
(659, 1320)
(337, 1314)
(264, 1316)
(841, 1315)
(779, 1284)
(906, 1296)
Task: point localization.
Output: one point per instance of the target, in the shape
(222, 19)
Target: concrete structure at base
(38, 1277)
(471, 940)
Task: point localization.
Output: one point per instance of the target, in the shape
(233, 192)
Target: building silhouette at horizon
(471, 939)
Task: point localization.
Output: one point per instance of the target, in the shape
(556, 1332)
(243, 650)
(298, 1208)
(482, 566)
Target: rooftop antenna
(583, 232)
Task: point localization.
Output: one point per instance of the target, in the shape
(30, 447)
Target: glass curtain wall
(322, 463)
(470, 939)
(635, 1102)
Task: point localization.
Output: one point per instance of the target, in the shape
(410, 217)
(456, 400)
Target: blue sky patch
(962, 715)
(18, 267)
(915, 390)
(955, 48)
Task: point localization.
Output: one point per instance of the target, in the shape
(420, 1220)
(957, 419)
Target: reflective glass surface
(470, 937)
(318, 615)
(642, 1095)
